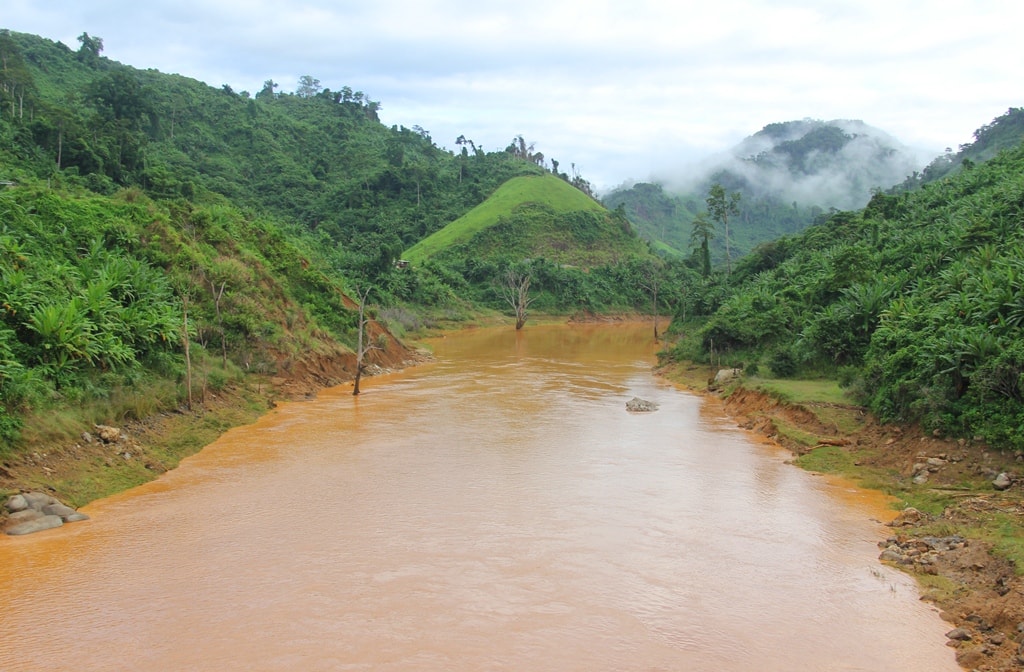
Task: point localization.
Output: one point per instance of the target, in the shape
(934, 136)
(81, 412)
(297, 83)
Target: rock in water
(37, 525)
(638, 405)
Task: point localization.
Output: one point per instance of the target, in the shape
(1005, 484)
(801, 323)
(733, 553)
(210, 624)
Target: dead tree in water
(515, 289)
(362, 344)
(650, 279)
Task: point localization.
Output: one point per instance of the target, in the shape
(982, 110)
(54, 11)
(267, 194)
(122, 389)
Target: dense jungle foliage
(152, 227)
(667, 220)
(146, 215)
(917, 301)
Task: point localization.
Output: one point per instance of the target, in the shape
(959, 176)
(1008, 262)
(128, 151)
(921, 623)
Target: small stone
(890, 555)
(638, 405)
(107, 433)
(1002, 482)
(909, 516)
(920, 479)
(959, 635)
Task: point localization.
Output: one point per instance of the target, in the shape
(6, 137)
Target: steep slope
(317, 157)
(919, 295)
(1004, 132)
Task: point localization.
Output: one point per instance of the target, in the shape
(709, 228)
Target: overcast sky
(625, 90)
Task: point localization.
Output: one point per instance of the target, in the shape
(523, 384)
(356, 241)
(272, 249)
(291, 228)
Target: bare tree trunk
(217, 295)
(655, 306)
(185, 344)
(361, 349)
(515, 288)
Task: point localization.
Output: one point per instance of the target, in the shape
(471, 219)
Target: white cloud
(621, 89)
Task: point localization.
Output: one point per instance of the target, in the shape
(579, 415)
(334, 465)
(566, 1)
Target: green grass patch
(795, 434)
(845, 420)
(803, 391)
(1008, 538)
(544, 189)
(936, 588)
(827, 460)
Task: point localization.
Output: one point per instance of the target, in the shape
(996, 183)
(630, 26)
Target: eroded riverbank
(954, 551)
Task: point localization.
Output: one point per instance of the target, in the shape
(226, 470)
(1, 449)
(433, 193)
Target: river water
(497, 509)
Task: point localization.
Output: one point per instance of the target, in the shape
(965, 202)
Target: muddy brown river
(498, 509)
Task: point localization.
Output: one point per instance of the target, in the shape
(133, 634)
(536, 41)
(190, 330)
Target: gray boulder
(37, 525)
(24, 516)
(58, 509)
(16, 503)
(724, 377)
(36, 511)
(959, 635)
(37, 500)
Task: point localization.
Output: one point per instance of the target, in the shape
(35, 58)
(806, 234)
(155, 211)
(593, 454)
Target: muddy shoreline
(978, 591)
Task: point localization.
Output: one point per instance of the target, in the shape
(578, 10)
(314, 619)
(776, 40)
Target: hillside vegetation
(162, 239)
(917, 300)
(788, 175)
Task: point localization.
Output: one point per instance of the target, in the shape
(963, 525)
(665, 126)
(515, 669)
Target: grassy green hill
(538, 190)
(578, 254)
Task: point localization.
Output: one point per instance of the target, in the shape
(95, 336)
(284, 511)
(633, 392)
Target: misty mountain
(787, 173)
(834, 164)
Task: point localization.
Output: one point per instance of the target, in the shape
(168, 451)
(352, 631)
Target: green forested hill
(316, 156)
(160, 237)
(580, 255)
(542, 191)
(788, 174)
(667, 220)
(918, 299)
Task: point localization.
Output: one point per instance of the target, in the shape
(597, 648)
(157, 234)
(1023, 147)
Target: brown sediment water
(498, 509)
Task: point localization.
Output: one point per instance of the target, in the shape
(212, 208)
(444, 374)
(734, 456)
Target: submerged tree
(650, 279)
(363, 346)
(515, 289)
